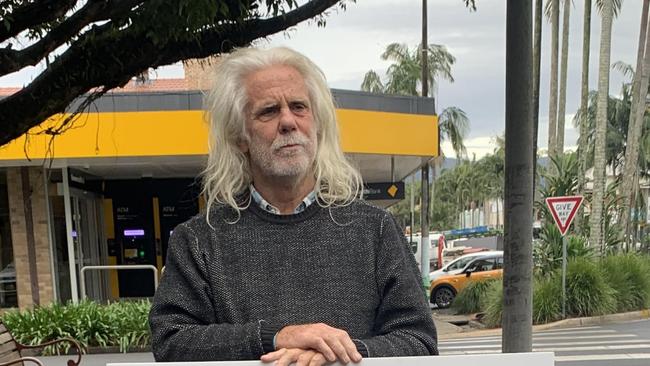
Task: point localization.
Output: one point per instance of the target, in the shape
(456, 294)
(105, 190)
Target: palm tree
(584, 103)
(639, 93)
(618, 114)
(404, 77)
(554, 7)
(454, 125)
(537, 53)
(559, 147)
(405, 73)
(596, 216)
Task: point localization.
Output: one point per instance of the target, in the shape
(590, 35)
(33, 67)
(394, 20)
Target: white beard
(276, 161)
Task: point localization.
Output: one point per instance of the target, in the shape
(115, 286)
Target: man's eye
(298, 107)
(268, 113)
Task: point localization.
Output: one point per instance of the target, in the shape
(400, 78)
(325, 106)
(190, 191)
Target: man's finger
(339, 349)
(272, 356)
(305, 358)
(286, 359)
(351, 349)
(322, 347)
(318, 360)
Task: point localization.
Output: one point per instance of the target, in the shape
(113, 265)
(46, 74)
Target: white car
(458, 265)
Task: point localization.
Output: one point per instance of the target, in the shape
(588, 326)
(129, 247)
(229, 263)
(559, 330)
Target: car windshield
(459, 263)
(483, 264)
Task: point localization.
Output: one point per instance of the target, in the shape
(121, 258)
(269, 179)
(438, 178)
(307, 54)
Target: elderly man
(287, 265)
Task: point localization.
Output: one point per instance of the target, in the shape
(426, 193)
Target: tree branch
(14, 60)
(226, 38)
(33, 14)
(110, 60)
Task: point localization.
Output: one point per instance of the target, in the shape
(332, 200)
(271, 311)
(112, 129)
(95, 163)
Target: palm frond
(624, 68)
(616, 6)
(454, 125)
(397, 52)
(372, 82)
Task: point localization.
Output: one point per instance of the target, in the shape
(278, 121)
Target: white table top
(502, 359)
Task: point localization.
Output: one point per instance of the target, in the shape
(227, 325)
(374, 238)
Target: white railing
(82, 277)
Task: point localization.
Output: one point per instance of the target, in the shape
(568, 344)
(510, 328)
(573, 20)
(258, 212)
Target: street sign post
(563, 210)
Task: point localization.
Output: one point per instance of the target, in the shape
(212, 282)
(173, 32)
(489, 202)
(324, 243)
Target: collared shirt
(260, 201)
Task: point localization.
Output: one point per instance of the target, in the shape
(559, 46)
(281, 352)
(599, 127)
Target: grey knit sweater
(226, 291)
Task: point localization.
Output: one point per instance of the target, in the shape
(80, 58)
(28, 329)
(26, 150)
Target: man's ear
(243, 146)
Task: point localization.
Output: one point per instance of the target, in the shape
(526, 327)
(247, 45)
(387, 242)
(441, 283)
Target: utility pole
(517, 317)
(424, 207)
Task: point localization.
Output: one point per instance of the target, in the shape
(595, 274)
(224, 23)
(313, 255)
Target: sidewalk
(447, 330)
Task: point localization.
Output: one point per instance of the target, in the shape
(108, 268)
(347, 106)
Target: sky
(351, 42)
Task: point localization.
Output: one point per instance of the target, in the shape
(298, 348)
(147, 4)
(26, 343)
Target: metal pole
(564, 257)
(424, 207)
(68, 234)
(518, 251)
(50, 236)
(412, 207)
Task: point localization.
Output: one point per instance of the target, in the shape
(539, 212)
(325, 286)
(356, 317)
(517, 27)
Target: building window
(8, 296)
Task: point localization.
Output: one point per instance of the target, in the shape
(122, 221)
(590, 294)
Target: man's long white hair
(228, 174)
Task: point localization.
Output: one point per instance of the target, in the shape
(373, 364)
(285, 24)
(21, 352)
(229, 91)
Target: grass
(616, 283)
(588, 293)
(547, 299)
(472, 299)
(629, 276)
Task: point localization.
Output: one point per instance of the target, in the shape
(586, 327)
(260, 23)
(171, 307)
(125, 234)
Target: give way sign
(563, 209)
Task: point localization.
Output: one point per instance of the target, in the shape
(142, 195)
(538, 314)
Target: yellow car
(444, 289)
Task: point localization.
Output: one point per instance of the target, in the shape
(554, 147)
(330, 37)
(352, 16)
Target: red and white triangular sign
(563, 209)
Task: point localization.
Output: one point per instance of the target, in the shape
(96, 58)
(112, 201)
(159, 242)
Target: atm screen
(134, 232)
(130, 253)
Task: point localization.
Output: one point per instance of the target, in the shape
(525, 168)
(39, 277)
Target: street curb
(566, 323)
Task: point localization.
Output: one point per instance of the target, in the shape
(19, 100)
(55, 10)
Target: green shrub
(629, 276)
(472, 299)
(494, 304)
(132, 319)
(588, 293)
(123, 324)
(547, 299)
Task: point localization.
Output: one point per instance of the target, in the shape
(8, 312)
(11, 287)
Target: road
(615, 344)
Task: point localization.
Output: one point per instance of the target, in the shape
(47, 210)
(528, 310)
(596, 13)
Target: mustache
(293, 139)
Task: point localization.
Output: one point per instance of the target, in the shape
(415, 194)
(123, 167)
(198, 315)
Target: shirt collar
(264, 205)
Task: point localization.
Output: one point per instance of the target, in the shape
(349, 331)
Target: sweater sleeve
(404, 325)
(182, 317)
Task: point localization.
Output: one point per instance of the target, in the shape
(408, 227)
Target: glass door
(89, 242)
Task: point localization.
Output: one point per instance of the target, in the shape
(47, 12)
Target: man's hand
(333, 343)
(301, 357)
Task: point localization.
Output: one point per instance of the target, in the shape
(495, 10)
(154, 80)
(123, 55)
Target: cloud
(476, 147)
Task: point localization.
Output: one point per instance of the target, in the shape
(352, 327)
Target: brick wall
(19, 236)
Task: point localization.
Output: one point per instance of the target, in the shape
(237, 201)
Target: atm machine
(135, 243)
(178, 201)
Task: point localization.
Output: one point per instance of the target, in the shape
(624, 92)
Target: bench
(11, 351)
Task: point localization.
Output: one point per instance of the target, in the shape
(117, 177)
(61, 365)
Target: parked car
(459, 264)
(445, 288)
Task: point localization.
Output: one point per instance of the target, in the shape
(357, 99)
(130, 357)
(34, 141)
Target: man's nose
(287, 120)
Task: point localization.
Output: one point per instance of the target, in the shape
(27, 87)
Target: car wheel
(443, 296)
